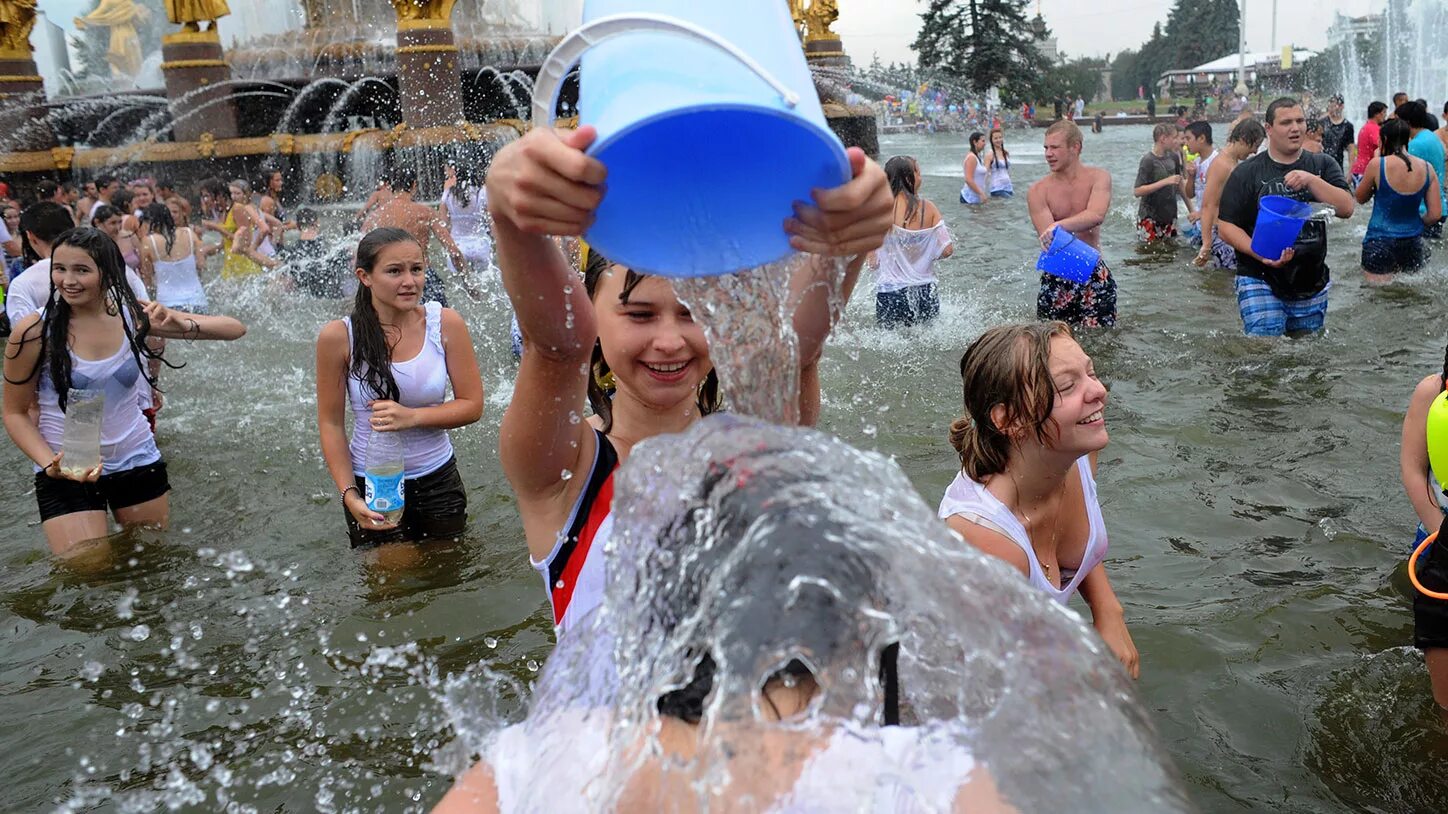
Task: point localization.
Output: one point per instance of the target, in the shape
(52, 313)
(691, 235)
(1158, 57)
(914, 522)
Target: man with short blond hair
(1075, 198)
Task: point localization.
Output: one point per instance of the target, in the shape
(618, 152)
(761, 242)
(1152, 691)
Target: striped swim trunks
(1264, 314)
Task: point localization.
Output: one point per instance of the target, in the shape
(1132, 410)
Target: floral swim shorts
(1091, 304)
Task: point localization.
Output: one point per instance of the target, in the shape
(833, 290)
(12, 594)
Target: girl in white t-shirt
(905, 281)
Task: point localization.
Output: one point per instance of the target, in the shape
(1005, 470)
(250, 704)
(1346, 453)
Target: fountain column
(195, 68)
(22, 93)
(427, 64)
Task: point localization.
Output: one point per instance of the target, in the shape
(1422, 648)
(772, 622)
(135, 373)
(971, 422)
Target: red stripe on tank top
(563, 594)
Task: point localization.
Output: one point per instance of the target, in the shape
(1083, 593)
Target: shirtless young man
(422, 222)
(1076, 198)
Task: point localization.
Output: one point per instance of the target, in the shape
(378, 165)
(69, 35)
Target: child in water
(621, 343)
(1430, 504)
(1035, 421)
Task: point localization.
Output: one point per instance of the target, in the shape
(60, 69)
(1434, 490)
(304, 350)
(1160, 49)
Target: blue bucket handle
(567, 54)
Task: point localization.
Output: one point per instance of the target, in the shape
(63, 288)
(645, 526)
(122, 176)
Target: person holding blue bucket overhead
(1067, 209)
(657, 190)
(1282, 274)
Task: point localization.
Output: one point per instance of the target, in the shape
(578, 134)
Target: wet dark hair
(163, 182)
(1009, 366)
(1374, 108)
(103, 213)
(1396, 134)
(900, 171)
(307, 216)
(103, 181)
(700, 551)
(1280, 103)
(1415, 114)
(371, 355)
(1314, 126)
(121, 200)
(469, 179)
(404, 178)
(47, 220)
(1249, 132)
(974, 137)
(158, 216)
(46, 189)
(53, 330)
(600, 399)
(1004, 152)
(1201, 129)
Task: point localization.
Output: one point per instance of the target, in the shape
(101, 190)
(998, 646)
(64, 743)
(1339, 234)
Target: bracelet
(196, 331)
(352, 488)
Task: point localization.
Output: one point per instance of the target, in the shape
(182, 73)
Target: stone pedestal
(428, 75)
(22, 111)
(193, 65)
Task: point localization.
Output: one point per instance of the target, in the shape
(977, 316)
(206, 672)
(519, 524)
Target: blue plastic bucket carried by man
(708, 124)
(1069, 257)
(1279, 222)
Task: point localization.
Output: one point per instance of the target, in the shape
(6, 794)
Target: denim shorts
(915, 305)
(1389, 255)
(1263, 314)
(435, 506)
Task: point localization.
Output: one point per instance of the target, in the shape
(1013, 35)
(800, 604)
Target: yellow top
(234, 265)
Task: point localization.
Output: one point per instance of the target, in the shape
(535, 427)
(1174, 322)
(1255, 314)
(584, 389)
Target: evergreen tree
(1201, 31)
(981, 44)
(937, 45)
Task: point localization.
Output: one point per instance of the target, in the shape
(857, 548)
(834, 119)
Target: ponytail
(1007, 366)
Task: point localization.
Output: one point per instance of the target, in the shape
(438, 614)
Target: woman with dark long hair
(1404, 192)
(463, 211)
(977, 182)
(905, 281)
(393, 359)
(999, 163)
(92, 337)
(170, 257)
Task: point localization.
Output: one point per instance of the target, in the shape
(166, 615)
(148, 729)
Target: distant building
(51, 56)
(1045, 45)
(1346, 29)
(1205, 79)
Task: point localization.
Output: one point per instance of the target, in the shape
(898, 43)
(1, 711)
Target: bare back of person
(402, 212)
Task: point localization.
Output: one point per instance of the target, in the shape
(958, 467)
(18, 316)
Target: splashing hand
(1112, 628)
(544, 183)
(848, 220)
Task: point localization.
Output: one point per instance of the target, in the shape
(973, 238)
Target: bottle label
(384, 492)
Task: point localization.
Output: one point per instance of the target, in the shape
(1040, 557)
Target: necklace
(1055, 527)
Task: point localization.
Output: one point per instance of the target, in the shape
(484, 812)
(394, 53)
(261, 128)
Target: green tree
(981, 44)
(1200, 31)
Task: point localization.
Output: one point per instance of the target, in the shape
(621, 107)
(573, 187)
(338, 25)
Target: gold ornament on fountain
(813, 19)
(121, 17)
(408, 10)
(17, 18)
(190, 14)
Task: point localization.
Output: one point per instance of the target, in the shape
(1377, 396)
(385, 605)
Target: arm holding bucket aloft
(850, 219)
(543, 185)
(1413, 455)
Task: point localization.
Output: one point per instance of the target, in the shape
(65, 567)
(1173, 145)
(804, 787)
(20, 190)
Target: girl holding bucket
(1026, 491)
(621, 343)
(93, 337)
(905, 281)
(976, 175)
(1405, 198)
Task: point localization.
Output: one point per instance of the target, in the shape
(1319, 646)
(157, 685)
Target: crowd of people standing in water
(107, 278)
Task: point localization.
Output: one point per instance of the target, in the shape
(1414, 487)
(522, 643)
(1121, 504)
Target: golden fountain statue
(814, 20)
(121, 17)
(17, 18)
(189, 14)
(423, 9)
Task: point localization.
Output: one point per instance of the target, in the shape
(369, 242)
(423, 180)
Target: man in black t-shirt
(1286, 293)
(1339, 140)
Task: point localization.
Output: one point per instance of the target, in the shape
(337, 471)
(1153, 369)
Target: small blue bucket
(1069, 257)
(708, 124)
(1279, 222)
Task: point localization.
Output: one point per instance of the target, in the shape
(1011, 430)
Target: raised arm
(168, 323)
(543, 185)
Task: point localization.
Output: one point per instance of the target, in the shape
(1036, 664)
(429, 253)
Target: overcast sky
(1092, 27)
(1082, 27)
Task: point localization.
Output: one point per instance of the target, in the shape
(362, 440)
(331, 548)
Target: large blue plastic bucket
(1279, 222)
(709, 127)
(1069, 257)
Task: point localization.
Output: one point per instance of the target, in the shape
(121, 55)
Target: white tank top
(421, 382)
(126, 438)
(908, 257)
(177, 283)
(469, 226)
(1000, 176)
(1201, 180)
(972, 501)
(966, 195)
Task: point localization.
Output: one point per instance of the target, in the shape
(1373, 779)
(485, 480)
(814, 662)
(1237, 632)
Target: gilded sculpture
(17, 18)
(815, 18)
(189, 14)
(423, 9)
(121, 17)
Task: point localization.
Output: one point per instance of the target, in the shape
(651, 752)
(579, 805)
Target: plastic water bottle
(82, 442)
(384, 476)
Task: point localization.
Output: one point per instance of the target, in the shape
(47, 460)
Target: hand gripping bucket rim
(1279, 221)
(1059, 260)
(568, 54)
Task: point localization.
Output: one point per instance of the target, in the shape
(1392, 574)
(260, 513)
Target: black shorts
(1391, 255)
(118, 490)
(1430, 616)
(435, 507)
(915, 305)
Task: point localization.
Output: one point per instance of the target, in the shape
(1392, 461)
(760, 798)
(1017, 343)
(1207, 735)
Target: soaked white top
(126, 438)
(974, 502)
(177, 283)
(981, 181)
(908, 257)
(469, 226)
(421, 382)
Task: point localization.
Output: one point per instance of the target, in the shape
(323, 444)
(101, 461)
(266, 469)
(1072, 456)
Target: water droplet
(532, 665)
(125, 606)
(361, 637)
(566, 474)
(139, 633)
(490, 642)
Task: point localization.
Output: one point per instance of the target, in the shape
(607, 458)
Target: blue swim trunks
(1264, 314)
